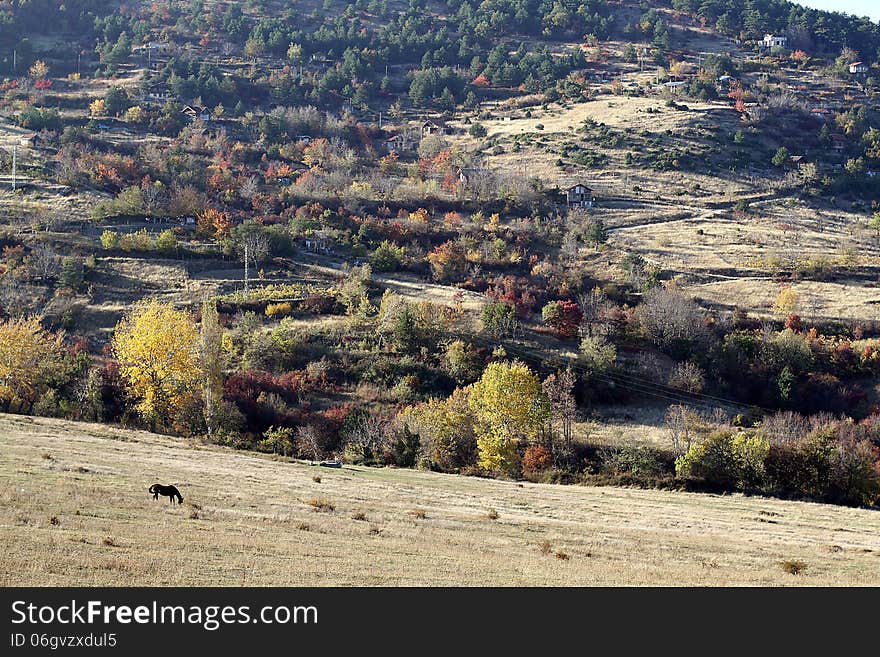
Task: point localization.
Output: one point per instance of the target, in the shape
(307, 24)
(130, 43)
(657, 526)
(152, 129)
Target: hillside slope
(74, 510)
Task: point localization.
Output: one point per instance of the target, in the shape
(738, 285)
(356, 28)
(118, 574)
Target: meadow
(75, 510)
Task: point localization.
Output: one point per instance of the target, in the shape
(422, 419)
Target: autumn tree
(28, 356)
(448, 261)
(157, 348)
(39, 70)
(352, 292)
(447, 435)
(509, 407)
(672, 321)
(214, 222)
(211, 353)
(787, 301)
(564, 317)
(98, 107)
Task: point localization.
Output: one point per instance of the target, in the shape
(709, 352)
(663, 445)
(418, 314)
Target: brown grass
(793, 566)
(256, 529)
(321, 504)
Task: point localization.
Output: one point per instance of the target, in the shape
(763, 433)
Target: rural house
(857, 68)
(774, 41)
(433, 128)
(398, 144)
(579, 196)
(196, 112)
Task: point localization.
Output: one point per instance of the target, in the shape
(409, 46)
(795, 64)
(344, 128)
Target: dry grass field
(74, 510)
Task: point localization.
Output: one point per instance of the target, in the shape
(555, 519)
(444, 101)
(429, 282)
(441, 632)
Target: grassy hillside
(74, 510)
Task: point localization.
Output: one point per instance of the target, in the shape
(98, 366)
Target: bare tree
(365, 437)
(308, 440)
(563, 407)
(249, 187)
(252, 246)
(44, 263)
(670, 318)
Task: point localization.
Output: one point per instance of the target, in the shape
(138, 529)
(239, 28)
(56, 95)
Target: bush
(642, 462)
(536, 459)
(109, 239)
(387, 257)
(166, 241)
(477, 130)
(274, 310)
(725, 461)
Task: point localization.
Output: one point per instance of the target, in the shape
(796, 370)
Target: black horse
(168, 491)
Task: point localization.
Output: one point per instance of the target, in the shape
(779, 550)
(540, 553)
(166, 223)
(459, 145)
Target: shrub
(854, 473)
(274, 310)
(711, 462)
(750, 451)
(387, 257)
(536, 459)
(109, 239)
(321, 504)
(278, 440)
(727, 462)
(793, 566)
(563, 316)
(636, 460)
(166, 241)
(477, 130)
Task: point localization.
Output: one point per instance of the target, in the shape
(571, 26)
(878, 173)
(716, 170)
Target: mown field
(74, 510)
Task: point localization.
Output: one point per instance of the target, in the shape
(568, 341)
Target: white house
(775, 41)
(858, 67)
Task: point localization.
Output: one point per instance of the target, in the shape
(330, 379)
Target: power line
(644, 387)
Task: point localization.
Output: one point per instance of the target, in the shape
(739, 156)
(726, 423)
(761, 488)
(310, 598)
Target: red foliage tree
(536, 458)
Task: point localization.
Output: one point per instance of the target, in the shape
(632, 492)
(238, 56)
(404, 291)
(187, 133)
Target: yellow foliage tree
(135, 114)
(509, 406)
(28, 353)
(445, 428)
(787, 301)
(158, 352)
(39, 70)
(98, 107)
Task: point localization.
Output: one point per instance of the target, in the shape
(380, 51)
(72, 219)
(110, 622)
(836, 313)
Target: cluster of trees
(808, 29)
(788, 455)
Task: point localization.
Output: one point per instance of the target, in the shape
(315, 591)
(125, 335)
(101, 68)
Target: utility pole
(14, 153)
(246, 295)
(13, 60)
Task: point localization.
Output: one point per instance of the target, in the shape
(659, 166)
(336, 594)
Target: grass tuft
(321, 504)
(793, 566)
